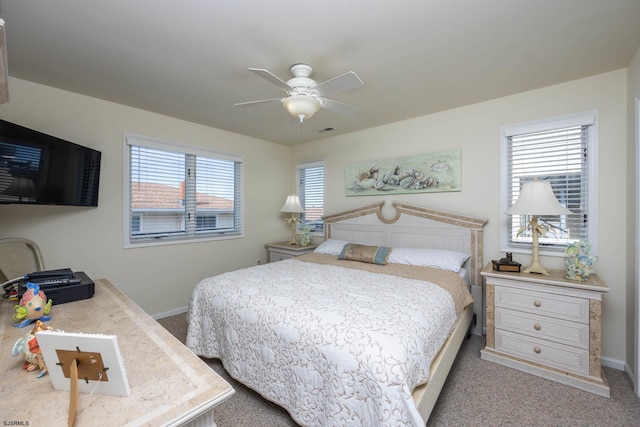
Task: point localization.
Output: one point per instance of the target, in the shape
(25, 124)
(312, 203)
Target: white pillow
(330, 247)
(438, 258)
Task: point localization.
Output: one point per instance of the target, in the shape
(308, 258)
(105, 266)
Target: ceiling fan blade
(341, 83)
(340, 107)
(268, 75)
(262, 101)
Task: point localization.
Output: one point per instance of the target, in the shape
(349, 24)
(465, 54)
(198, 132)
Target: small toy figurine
(33, 306)
(28, 346)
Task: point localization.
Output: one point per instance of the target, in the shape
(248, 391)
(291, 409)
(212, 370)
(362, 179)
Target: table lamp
(536, 199)
(292, 205)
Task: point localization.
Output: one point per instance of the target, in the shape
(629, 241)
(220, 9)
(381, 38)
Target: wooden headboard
(412, 227)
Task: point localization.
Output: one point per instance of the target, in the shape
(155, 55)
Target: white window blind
(310, 189)
(176, 193)
(560, 153)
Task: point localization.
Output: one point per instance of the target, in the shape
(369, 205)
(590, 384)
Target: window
(310, 178)
(562, 151)
(176, 193)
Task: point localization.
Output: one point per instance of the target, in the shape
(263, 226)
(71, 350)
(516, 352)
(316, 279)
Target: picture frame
(424, 173)
(100, 365)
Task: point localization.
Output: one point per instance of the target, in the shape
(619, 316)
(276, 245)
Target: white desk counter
(169, 384)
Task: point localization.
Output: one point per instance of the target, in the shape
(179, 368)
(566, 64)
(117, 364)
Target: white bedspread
(332, 345)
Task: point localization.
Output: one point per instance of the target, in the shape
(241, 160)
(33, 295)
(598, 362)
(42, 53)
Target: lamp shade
(537, 198)
(292, 204)
(301, 106)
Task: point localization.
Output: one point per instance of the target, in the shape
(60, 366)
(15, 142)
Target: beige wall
(160, 279)
(475, 130)
(633, 133)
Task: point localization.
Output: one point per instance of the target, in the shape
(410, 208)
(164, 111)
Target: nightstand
(547, 326)
(283, 250)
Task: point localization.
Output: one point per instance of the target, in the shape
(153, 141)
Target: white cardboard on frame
(54, 344)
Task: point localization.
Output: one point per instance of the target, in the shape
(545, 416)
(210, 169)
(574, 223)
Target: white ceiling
(188, 58)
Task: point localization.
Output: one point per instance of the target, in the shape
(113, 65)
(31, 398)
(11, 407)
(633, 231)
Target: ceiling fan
(304, 96)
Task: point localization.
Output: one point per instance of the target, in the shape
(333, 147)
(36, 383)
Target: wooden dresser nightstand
(283, 250)
(547, 326)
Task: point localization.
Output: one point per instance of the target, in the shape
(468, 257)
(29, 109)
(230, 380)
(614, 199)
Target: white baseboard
(613, 363)
(629, 372)
(173, 312)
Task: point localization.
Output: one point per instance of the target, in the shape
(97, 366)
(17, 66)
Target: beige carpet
(477, 393)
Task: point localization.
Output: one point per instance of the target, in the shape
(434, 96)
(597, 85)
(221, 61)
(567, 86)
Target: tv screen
(36, 168)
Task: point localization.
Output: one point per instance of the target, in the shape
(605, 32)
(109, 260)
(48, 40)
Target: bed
(368, 339)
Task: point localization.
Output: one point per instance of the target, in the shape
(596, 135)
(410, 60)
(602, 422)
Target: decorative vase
(578, 262)
(305, 236)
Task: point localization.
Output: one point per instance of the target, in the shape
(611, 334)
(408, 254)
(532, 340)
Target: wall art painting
(424, 173)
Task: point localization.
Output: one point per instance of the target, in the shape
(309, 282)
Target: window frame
(130, 139)
(588, 118)
(307, 165)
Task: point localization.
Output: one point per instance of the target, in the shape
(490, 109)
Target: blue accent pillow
(364, 253)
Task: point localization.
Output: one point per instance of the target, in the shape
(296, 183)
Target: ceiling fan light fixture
(301, 106)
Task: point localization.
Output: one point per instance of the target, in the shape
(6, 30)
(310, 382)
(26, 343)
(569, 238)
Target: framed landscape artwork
(424, 173)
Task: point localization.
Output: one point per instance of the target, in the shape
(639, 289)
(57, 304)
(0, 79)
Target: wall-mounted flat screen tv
(36, 168)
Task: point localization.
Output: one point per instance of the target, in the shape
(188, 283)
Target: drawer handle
(538, 350)
(537, 303)
(537, 326)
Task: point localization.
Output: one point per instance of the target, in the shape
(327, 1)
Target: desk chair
(19, 257)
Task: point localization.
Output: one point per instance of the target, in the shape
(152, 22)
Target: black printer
(61, 285)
